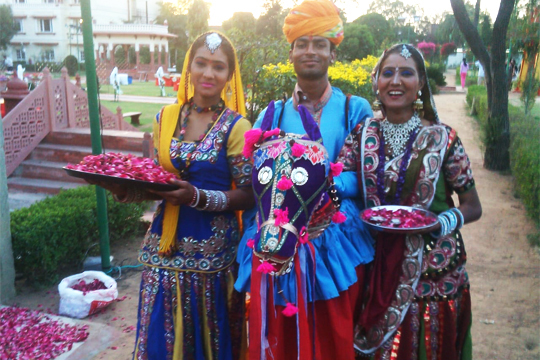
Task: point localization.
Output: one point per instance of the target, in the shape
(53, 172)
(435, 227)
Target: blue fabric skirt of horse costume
(341, 247)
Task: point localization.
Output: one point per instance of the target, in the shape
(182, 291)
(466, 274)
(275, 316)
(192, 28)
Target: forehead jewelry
(213, 42)
(405, 52)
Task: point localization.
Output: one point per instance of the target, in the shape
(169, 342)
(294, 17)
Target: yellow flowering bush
(276, 81)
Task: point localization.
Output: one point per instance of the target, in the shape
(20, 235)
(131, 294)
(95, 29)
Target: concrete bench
(134, 117)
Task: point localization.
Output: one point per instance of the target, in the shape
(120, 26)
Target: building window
(47, 55)
(81, 56)
(19, 1)
(76, 1)
(45, 25)
(48, 1)
(18, 25)
(21, 54)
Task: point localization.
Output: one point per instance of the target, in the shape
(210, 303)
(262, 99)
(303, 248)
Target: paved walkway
(140, 99)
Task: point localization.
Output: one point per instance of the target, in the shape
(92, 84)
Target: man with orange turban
(335, 279)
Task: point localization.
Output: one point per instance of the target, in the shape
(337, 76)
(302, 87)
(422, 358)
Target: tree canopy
(197, 19)
(7, 30)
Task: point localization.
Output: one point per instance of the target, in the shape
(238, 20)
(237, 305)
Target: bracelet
(215, 200)
(461, 218)
(196, 197)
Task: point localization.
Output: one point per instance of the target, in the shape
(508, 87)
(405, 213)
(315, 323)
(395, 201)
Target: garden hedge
(58, 231)
(524, 151)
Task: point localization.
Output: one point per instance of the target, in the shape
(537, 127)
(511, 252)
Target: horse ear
(268, 117)
(311, 127)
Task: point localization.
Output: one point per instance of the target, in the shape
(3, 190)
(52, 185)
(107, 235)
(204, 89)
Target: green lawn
(149, 111)
(139, 88)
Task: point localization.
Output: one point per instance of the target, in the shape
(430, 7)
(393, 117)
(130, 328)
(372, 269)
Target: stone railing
(55, 104)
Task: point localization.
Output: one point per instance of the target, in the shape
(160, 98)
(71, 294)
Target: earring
(376, 105)
(418, 105)
(229, 92)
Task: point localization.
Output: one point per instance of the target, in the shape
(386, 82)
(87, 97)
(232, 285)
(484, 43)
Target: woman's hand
(181, 196)
(116, 189)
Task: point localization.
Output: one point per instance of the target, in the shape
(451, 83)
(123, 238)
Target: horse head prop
(293, 186)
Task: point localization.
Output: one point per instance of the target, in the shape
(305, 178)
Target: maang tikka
(213, 42)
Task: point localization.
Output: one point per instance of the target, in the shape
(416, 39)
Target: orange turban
(314, 17)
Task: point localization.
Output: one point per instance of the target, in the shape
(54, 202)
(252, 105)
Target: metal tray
(144, 185)
(396, 230)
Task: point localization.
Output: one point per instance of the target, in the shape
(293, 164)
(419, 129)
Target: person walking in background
(481, 75)
(314, 29)
(418, 305)
(463, 72)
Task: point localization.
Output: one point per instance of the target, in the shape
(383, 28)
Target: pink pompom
(251, 243)
(298, 150)
(251, 138)
(336, 168)
(290, 310)
(266, 268)
(339, 217)
(270, 133)
(304, 238)
(284, 184)
(282, 216)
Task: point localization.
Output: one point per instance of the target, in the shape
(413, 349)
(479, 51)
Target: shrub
(524, 150)
(57, 231)
(433, 86)
(447, 49)
(70, 62)
(436, 72)
(525, 159)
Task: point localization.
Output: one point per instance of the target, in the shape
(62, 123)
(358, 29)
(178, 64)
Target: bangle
(461, 218)
(196, 197)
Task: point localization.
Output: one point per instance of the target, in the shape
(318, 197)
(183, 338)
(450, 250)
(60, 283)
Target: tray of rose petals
(399, 219)
(123, 169)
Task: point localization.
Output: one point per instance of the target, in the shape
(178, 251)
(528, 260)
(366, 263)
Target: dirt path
(503, 269)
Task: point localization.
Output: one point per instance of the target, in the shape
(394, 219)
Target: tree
(175, 17)
(496, 156)
(271, 22)
(7, 30)
(378, 26)
(197, 19)
(244, 21)
(485, 30)
(357, 44)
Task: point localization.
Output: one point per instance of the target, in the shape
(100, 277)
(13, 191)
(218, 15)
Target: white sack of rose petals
(75, 304)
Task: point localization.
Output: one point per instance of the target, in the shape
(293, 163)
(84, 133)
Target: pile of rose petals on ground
(87, 287)
(400, 219)
(124, 166)
(31, 335)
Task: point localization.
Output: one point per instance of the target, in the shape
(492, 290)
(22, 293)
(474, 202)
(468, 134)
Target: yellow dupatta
(166, 128)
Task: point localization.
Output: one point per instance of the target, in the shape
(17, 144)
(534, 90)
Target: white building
(49, 30)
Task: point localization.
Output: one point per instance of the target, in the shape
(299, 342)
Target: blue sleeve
(347, 185)
(347, 182)
(259, 120)
(359, 111)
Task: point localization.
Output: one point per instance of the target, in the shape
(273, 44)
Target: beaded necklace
(402, 170)
(218, 109)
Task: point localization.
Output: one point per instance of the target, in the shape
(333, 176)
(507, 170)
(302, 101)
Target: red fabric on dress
(383, 277)
(334, 321)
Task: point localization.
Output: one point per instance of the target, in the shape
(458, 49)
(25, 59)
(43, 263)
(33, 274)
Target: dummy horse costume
(296, 202)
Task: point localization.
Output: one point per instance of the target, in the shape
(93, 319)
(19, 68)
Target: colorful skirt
(189, 315)
(432, 330)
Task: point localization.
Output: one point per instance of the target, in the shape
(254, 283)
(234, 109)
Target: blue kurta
(342, 247)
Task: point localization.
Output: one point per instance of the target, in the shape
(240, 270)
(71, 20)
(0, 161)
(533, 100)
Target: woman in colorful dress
(188, 308)
(417, 304)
